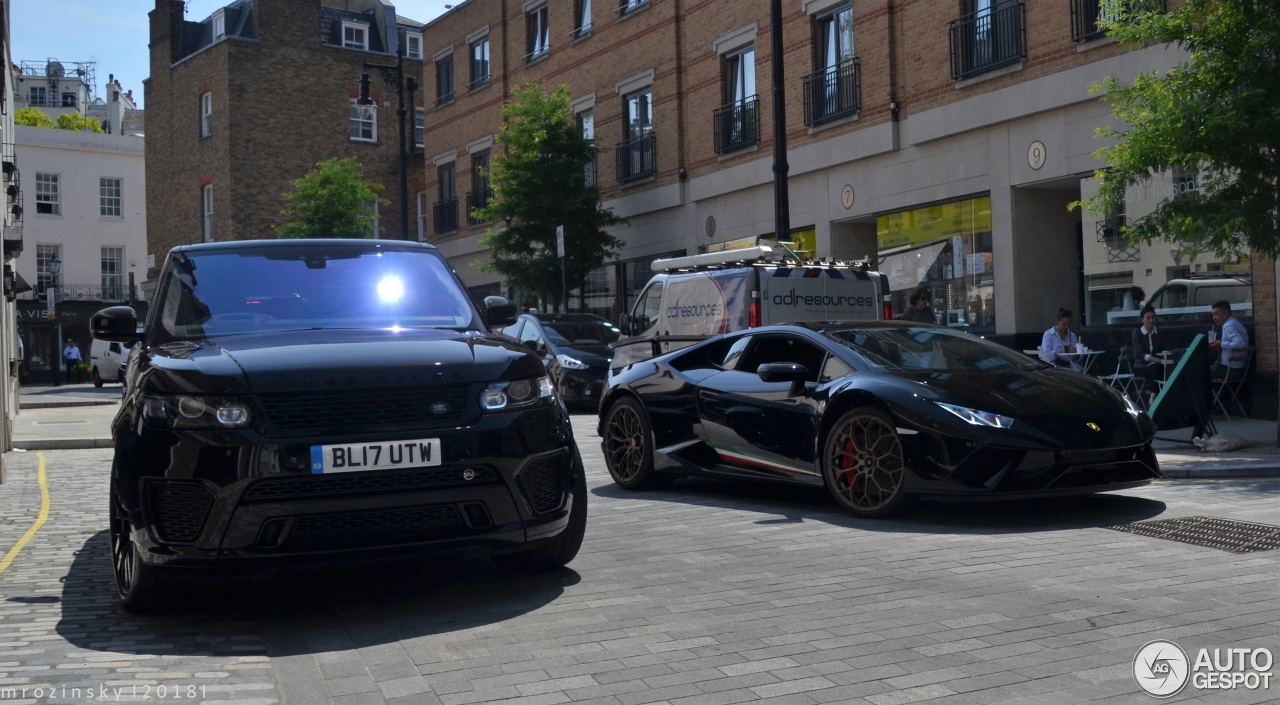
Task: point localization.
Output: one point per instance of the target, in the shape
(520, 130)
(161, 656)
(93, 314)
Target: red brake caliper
(849, 464)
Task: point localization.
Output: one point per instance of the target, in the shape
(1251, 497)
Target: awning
(20, 285)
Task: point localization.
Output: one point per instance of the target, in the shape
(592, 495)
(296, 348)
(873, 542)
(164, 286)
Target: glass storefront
(946, 248)
(611, 289)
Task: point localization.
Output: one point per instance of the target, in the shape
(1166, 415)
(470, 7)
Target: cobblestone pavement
(702, 594)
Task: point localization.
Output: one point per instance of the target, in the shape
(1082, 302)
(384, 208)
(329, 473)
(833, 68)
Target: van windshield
(234, 292)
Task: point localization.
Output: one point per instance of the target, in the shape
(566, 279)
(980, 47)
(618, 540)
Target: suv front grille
(303, 413)
(380, 527)
(178, 509)
(360, 483)
(543, 480)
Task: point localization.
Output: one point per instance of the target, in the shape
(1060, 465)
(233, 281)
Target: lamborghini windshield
(929, 348)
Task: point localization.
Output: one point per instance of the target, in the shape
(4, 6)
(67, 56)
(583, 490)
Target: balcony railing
(78, 292)
(445, 215)
(1086, 15)
(737, 125)
(589, 172)
(833, 92)
(988, 39)
(635, 157)
(475, 200)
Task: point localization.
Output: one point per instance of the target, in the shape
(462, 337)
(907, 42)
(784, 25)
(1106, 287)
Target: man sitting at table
(1061, 339)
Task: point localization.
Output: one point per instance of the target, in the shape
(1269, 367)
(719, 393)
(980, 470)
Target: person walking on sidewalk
(71, 359)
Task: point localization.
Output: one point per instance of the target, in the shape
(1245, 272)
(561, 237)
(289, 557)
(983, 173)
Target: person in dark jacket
(920, 311)
(1146, 347)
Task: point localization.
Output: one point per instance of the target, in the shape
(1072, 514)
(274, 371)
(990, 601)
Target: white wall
(81, 159)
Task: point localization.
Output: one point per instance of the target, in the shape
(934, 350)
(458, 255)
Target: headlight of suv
(571, 363)
(516, 394)
(976, 417)
(174, 411)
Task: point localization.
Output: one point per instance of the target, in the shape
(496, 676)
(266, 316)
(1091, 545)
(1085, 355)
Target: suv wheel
(137, 585)
(556, 552)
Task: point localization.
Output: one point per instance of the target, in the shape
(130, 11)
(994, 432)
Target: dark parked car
(878, 412)
(574, 347)
(299, 402)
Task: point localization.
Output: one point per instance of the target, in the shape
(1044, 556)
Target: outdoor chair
(1226, 389)
(1123, 377)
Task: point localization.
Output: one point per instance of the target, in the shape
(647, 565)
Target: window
(113, 274)
(355, 35)
(626, 6)
(831, 91)
(988, 37)
(582, 18)
(635, 154)
(587, 123)
(737, 122)
(444, 79)
(834, 37)
(413, 45)
(109, 198)
(46, 278)
(68, 100)
(446, 208)
(206, 200)
(537, 33)
(363, 123)
(480, 64)
(422, 216)
(419, 128)
(48, 195)
(481, 188)
(219, 25)
(206, 114)
(38, 95)
(1184, 181)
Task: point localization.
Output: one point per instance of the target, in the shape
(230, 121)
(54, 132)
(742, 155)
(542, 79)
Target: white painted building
(11, 236)
(85, 235)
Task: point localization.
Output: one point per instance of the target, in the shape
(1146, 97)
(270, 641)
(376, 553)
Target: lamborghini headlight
(976, 417)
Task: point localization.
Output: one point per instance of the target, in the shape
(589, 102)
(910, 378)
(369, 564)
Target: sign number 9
(1036, 154)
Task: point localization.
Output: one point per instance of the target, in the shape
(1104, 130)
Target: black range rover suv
(298, 402)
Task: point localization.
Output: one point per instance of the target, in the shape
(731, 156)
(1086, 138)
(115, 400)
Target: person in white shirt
(1231, 343)
(1060, 339)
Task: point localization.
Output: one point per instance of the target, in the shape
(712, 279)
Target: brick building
(249, 99)
(943, 138)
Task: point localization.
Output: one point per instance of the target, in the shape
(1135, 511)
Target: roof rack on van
(758, 255)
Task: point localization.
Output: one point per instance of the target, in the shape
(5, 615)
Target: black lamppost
(394, 73)
(55, 359)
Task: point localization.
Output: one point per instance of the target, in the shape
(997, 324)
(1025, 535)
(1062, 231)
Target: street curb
(1222, 472)
(63, 444)
(63, 404)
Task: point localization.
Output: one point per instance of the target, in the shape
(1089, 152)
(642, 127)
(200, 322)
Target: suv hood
(293, 361)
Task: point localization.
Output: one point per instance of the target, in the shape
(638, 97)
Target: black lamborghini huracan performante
(878, 412)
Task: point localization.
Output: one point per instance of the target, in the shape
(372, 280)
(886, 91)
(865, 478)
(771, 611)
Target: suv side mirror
(498, 311)
(118, 324)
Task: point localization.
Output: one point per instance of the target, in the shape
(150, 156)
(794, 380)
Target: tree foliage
(331, 200)
(1218, 113)
(78, 122)
(32, 117)
(538, 184)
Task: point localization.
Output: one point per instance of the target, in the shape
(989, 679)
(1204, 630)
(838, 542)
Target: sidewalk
(79, 416)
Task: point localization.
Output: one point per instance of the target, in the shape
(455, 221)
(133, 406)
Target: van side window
(650, 311)
(114, 347)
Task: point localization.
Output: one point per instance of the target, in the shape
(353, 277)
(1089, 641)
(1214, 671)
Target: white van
(1193, 299)
(721, 292)
(106, 361)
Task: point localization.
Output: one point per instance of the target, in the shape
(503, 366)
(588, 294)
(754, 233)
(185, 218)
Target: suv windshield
(930, 349)
(291, 288)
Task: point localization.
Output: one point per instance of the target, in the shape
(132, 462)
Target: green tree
(1218, 114)
(332, 200)
(78, 122)
(32, 117)
(538, 185)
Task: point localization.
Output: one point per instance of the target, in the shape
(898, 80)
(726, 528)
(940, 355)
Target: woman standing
(920, 311)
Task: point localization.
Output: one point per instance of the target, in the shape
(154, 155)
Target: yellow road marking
(44, 515)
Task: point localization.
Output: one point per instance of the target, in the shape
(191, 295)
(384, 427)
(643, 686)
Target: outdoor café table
(1084, 360)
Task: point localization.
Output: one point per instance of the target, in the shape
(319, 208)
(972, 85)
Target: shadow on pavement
(380, 604)
(796, 503)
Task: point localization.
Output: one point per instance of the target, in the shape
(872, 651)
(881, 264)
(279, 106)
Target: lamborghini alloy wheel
(863, 465)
